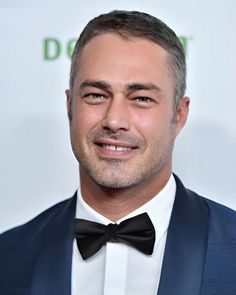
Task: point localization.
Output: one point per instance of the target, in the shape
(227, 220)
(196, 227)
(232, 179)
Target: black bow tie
(137, 231)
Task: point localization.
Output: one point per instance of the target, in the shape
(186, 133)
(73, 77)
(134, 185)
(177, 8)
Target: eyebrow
(103, 85)
(142, 86)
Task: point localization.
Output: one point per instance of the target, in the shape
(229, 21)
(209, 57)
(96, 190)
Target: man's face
(122, 119)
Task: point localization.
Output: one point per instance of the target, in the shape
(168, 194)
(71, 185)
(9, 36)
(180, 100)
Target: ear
(182, 113)
(69, 103)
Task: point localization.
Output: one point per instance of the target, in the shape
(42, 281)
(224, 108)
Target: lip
(109, 148)
(119, 143)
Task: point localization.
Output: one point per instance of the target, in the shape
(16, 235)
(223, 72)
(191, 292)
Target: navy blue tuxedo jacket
(199, 259)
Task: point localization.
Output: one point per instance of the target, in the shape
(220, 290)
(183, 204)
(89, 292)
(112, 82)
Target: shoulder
(222, 220)
(222, 223)
(37, 224)
(21, 246)
(220, 262)
(220, 211)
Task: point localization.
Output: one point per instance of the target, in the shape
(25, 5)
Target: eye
(143, 99)
(94, 98)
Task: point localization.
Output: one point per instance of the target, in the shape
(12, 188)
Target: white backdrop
(36, 162)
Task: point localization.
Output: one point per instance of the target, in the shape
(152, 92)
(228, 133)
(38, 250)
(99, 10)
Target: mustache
(125, 136)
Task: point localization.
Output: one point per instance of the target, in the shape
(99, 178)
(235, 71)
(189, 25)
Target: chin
(116, 180)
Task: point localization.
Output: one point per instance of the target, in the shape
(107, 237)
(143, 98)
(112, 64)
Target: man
(126, 105)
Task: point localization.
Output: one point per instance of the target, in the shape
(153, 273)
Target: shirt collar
(158, 209)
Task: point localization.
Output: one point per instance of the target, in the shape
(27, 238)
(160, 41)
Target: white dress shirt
(119, 269)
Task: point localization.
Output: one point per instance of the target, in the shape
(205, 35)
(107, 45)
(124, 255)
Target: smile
(120, 150)
(115, 147)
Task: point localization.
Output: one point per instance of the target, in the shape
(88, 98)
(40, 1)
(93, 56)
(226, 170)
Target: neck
(117, 203)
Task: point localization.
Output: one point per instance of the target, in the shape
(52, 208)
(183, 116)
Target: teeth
(115, 148)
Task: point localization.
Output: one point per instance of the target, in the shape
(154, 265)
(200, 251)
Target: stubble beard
(116, 174)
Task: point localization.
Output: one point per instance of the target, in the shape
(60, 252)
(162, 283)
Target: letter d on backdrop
(51, 48)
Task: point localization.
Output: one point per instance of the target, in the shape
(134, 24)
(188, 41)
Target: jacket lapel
(186, 245)
(52, 266)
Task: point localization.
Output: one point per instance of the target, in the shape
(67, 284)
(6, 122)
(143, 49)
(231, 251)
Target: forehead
(112, 45)
(109, 56)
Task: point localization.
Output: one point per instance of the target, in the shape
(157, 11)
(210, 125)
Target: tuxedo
(199, 258)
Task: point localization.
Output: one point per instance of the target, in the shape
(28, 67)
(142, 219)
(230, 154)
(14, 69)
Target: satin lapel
(186, 245)
(52, 270)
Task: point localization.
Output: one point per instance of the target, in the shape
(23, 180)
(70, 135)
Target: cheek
(154, 126)
(85, 118)
(148, 123)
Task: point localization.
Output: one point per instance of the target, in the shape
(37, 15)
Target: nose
(116, 117)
